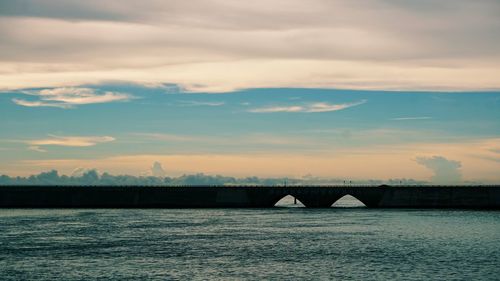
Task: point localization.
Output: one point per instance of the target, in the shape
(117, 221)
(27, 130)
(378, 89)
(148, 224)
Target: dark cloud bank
(92, 177)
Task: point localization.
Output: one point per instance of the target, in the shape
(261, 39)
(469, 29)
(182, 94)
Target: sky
(373, 89)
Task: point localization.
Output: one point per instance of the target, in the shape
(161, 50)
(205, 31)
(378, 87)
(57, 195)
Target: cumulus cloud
(445, 170)
(307, 108)
(78, 172)
(157, 170)
(72, 141)
(68, 97)
(223, 45)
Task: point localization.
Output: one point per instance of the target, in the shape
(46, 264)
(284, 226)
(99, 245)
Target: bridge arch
(316, 199)
(287, 200)
(349, 201)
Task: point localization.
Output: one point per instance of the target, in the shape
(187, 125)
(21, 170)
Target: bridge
(478, 197)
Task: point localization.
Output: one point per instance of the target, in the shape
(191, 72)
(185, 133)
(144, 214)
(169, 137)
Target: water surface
(281, 243)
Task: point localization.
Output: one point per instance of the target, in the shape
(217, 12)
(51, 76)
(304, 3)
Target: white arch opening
(289, 202)
(348, 201)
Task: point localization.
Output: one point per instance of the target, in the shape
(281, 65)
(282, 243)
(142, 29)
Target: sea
(345, 242)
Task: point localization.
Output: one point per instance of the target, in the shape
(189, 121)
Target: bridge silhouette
(384, 196)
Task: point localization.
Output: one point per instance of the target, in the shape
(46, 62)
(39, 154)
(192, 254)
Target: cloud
(411, 118)
(445, 170)
(39, 104)
(78, 172)
(224, 45)
(495, 150)
(83, 176)
(381, 161)
(201, 103)
(308, 108)
(157, 170)
(293, 108)
(239, 142)
(169, 137)
(490, 151)
(68, 97)
(71, 141)
(93, 177)
(396, 161)
(36, 148)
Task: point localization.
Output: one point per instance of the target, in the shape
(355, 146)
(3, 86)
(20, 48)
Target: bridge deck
(404, 196)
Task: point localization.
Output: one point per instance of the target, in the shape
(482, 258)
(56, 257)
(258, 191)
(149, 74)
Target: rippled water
(280, 243)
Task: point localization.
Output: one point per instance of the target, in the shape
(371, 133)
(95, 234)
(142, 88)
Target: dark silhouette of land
(384, 196)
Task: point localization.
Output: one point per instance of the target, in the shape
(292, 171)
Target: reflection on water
(280, 243)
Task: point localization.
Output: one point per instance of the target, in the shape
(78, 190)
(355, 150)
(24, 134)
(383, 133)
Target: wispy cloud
(39, 103)
(411, 118)
(167, 137)
(72, 141)
(36, 148)
(495, 150)
(69, 97)
(201, 103)
(248, 139)
(307, 108)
